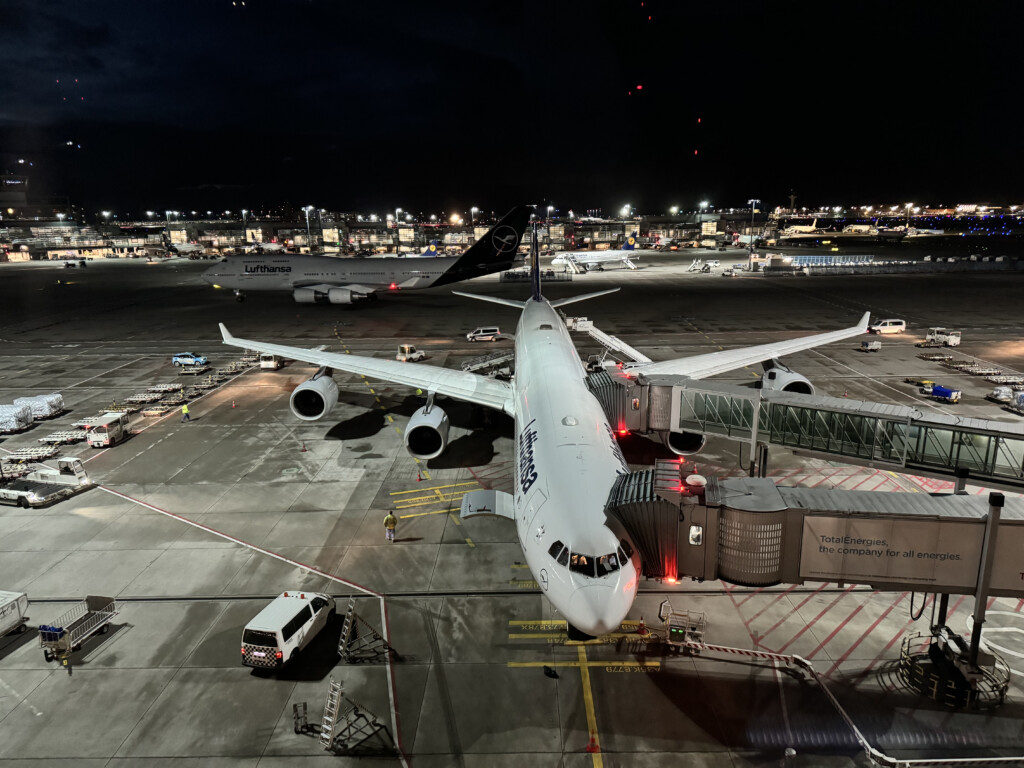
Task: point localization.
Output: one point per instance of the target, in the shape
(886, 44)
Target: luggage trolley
(91, 616)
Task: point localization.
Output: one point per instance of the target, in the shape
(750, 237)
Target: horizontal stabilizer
(493, 299)
(573, 299)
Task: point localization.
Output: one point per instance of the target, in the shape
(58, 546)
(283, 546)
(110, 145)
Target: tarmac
(194, 527)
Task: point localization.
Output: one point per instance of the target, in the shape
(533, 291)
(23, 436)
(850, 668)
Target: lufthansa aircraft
(597, 259)
(314, 279)
(566, 457)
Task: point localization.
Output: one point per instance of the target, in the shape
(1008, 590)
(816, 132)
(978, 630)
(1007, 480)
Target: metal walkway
(896, 436)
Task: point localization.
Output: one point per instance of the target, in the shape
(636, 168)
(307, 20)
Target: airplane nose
(597, 610)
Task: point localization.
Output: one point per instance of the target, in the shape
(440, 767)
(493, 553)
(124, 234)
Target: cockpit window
(626, 548)
(622, 556)
(563, 559)
(579, 563)
(556, 549)
(607, 564)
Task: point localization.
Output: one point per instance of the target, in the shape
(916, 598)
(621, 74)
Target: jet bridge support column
(988, 551)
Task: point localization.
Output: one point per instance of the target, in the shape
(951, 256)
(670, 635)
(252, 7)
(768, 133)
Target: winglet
(225, 335)
(863, 324)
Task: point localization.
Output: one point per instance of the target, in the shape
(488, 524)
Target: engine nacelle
(683, 443)
(785, 380)
(317, 295)
(314, 398)
(426, 436)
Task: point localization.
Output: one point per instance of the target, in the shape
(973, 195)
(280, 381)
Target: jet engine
(426, 436)
(314, 398)
(782, 379)
(683, 443)
(324, 295)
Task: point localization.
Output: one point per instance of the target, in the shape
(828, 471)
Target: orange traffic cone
(592, 746)
(419, 476)
(641, 628)
(303, 447)
(232, 403)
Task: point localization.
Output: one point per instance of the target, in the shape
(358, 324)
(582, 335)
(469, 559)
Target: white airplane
(597, 259)
(566, 457)
(802, 229)
(316, 279)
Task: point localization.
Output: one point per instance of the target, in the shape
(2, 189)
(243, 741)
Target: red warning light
(669, 580)
(393, 287)
(695, 151)
(623, 431)
(639, 87)
(698, 119)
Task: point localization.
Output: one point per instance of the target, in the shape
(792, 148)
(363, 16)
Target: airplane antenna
(535, 256)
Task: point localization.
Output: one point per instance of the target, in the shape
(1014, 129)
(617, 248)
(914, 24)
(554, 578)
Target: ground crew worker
(390, 523)
(184, 414)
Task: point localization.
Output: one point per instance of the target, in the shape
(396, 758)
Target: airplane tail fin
(534, 264)
(494, 252)
(431, 250)
(630, 244)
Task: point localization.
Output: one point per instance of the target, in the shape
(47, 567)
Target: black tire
(293, 658)
(104, 628)
(21, 629)
(47, 656)
(23, 502)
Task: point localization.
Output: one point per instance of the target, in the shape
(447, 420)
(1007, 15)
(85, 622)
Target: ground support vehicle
(64, 436)
(407, 353)
(44, 486)
(166, 388)
(940, 337)
(87, 618)
(945, 394)
(870, 346)
(24, 455)
(1016, 405)
(111, 429)
(193, 370)
(277, 634)
(270, 362)
(892, 325)
(13, 612)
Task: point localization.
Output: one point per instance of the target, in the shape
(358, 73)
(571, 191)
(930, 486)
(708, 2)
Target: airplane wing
(458, 384)
(702, 366)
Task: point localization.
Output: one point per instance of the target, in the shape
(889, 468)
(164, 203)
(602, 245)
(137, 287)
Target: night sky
(431, 106)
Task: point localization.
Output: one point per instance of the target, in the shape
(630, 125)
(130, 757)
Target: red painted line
(827, 477)
(814, 621)
(836, 631)
(775, 626)
(1019, 604)
(757, 591)
(477, 478)
(858, 485)
(750, 634)
(773, 602)
(865, 634)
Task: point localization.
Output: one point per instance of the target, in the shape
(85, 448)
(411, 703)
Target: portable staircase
(489, 361)
(350, 731)
(359, 641)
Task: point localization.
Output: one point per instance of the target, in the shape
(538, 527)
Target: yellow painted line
(602, 640)
(549, 622)
(373, 391)
(432, 488)
(422, 514)
(431, 498)
(426, 474)
(519, 565)
(390, 419)
(377, 399)
(536, 635)
(398, 430)
(588, 703)
(454, 518)
(470, 542)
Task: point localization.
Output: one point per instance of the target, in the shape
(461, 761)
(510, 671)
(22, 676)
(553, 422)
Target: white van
(889, 326)
(270, 362)
(487, 333)
(110, 429)
(282, 629)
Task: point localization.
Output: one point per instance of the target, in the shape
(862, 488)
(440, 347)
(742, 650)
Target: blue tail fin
(431, 250)
(535, 267)
(630, 244)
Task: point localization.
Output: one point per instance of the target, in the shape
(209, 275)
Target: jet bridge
(749, 531)
(894, 436)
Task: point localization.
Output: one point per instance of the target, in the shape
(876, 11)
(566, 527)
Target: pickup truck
(187, 358)
(407, 353)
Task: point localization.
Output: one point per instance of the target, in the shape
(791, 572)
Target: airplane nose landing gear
(239, 296)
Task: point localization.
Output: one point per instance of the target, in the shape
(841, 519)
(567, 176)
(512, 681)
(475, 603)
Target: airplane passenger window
(582, 564)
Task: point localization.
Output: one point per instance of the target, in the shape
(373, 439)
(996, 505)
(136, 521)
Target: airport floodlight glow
(106, 214)
(408, 217)
(625, 210)
(550, 209)
(454, 218)
(837, 208)
(472, 215)
(433, 217)
(149, 214)
(674, 210)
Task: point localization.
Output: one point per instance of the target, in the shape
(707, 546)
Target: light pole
(60, 218)
(909, 206)
(245, 232)
(703, 205)
(550, 209)
(472, 216)
(752, 203)
(307, 209)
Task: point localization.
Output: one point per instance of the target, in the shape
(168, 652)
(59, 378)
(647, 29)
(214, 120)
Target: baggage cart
(87, 618)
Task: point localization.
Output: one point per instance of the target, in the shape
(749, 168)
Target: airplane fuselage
(566, 462)
(270, 272)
